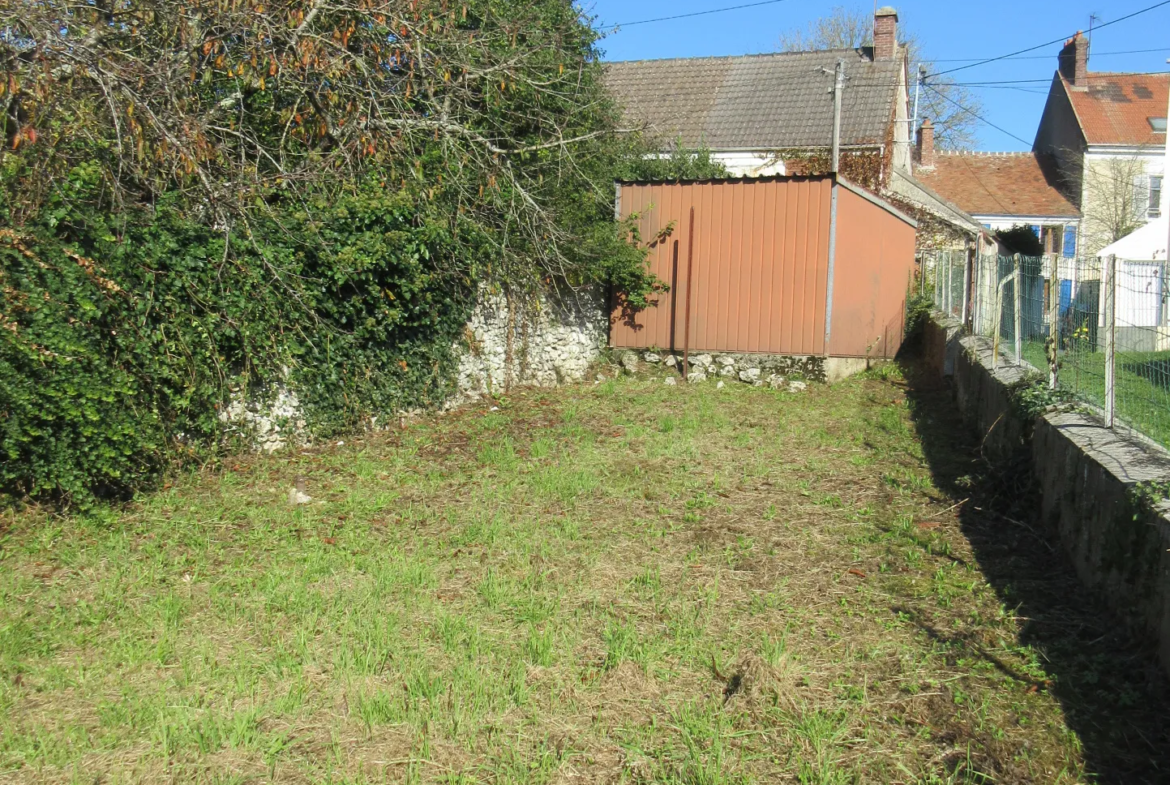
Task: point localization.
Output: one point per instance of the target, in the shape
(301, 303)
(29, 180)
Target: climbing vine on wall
(200, 200)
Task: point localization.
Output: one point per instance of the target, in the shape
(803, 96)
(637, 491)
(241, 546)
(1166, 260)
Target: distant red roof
(1021, 184)
(1116, 109)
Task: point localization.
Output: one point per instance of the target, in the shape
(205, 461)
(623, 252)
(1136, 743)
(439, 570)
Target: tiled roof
(1022, 184)
(758, 102)
(1116, 109)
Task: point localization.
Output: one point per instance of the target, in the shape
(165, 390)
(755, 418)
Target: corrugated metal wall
(875, 262)
(760, 266)
(760, 269)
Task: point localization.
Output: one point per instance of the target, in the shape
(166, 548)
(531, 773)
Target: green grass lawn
(1143, 384)
(626, 582)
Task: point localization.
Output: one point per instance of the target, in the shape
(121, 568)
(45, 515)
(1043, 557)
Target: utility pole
(838, 91)
(917, 95)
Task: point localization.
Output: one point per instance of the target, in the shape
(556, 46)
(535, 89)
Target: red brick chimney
(926, 145)
(1074, 61)
(885, 34)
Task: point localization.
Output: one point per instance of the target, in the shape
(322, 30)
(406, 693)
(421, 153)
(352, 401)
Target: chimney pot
(1074, 61)
(885, 34)
(926, 145)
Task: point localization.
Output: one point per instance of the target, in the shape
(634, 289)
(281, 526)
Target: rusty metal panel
(875, 261)
(760, 270)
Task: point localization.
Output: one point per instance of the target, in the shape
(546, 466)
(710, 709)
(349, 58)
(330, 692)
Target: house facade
(772, 114)
(767, 114)
(1106, 134)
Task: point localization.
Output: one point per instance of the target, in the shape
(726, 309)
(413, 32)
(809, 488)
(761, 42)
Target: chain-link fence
(1097, 328)
(945, 275)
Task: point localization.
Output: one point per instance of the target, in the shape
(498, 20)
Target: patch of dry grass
(620, 583)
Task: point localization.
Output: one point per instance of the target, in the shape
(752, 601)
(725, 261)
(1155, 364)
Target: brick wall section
(1074, 61)
(926, 144)
(885, 34)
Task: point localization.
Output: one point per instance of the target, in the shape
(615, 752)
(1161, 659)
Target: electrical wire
(975, 114)
(1047, 57)
(697, 13)
(1054, 41)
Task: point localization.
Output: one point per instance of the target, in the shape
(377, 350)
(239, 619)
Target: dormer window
(1158, 124)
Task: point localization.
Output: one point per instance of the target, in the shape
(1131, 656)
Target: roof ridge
(732, 57)
(988, 153)
(1155, 74)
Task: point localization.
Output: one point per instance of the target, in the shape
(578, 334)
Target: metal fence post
(937, 302)
(1110, 341)
(968, 270)
(1019, 293)
(1054, 324)
(948, 305)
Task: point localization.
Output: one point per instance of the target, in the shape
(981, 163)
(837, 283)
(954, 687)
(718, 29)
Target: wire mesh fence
(1098, 328)
(946, 277)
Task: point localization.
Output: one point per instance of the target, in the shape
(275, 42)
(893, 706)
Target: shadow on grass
(1153, 367)
(1114, 695)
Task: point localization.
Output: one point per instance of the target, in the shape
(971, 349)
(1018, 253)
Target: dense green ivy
(310, 211)
(124, 335)
(123, 339)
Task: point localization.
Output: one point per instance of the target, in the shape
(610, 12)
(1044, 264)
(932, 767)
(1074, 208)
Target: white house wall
(1151, 161)
(740, 164)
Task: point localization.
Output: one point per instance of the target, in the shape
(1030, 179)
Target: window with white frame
(1147, 197)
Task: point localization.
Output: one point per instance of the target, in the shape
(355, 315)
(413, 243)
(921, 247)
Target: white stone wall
(510, 343)
(543, 342)
(271, 425)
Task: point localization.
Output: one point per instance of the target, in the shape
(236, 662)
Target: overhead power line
(1049, 57)
(698, 13)
(1062, 39)
(975, 114)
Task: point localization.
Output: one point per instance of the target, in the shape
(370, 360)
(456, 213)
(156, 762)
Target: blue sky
(947, 29)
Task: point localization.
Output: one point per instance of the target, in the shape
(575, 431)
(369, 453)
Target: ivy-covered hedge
(201, 201)
(122, 338)
(124, 335)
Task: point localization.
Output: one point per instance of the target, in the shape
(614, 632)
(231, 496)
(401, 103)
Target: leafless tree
(238, 103)
(1115, 199)
(951, 107)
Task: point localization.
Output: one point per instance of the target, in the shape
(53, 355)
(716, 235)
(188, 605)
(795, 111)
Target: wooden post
(1110, 341)
(1019, 292)
(674, 300)
(687, 326)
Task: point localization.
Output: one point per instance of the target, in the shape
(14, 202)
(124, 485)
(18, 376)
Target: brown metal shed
(780, 265)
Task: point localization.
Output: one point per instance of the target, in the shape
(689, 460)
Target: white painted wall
(1099, 176)
(746, 164)
(1002, 222)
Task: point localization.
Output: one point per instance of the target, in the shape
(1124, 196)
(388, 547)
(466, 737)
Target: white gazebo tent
(1141, 305)
(1147, 244)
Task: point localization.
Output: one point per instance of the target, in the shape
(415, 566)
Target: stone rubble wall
(551, 340)
(775, 371)
(1087, 473)
(272, 424)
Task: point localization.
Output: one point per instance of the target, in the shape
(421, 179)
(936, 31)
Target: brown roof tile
(758, 102)
(999, 184)
(1116, 109)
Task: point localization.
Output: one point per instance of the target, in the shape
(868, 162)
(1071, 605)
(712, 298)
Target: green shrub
(123, 340)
